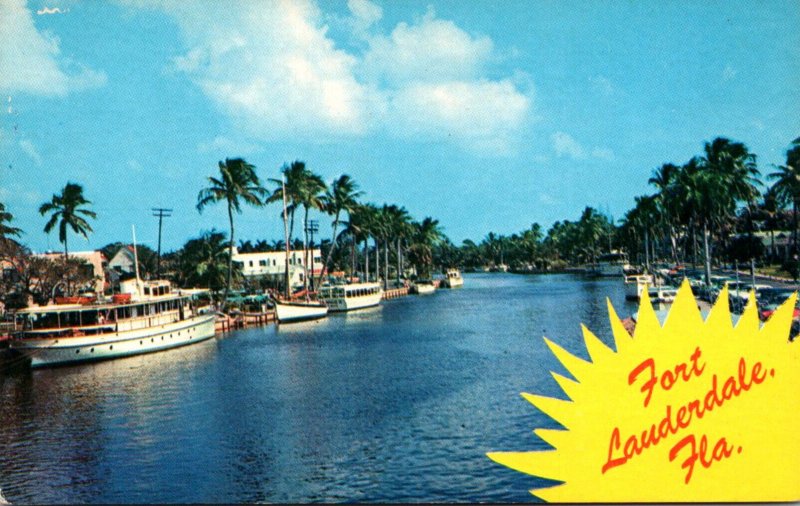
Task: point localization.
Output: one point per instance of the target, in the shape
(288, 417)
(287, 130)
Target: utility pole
(313, 226)
(160, 213)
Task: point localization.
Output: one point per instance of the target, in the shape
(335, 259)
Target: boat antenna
(286, 237)
(136, 260)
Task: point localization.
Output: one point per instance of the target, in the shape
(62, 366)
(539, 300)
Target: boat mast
(136, 261)
(286, 237)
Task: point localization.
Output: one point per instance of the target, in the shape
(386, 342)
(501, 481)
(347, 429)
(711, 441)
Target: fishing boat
(349, 297)
(295, 309)
(148, 316)
(423, 287)
(453, 279)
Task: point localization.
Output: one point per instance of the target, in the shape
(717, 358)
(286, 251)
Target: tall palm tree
(342, 196)
(237, 182)
(66, 211)
(427, 233)
(399, 223)
(292, 180)
(5, 229)
(311, 196)
(787, 185)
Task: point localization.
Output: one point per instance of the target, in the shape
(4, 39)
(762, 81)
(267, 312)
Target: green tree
(237, 182)
(787, 185)
(342, 196)
(66, 210)
(204, 261)
(7, 230)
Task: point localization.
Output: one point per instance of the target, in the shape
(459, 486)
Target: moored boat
(635, 285)
(349, 297)
(453, 279)
(299, 310)
(424, 287)
(610, 264)
(152, 318)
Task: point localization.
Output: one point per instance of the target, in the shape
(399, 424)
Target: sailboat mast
(286, 237)
(136, 260)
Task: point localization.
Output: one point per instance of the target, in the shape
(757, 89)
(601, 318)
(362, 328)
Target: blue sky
(488, 116)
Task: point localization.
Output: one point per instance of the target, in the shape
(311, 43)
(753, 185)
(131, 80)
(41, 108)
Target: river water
(398, 403)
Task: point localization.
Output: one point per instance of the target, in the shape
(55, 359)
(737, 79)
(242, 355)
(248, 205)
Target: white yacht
(148, 316)
(349, 297)
(453, 279)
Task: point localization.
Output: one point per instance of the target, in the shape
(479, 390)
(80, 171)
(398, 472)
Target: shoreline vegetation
(715, 209)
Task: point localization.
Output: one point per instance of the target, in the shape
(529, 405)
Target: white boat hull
(295, 312)
(454, 282)
(424, 289)
(339, 304)
(68, 350)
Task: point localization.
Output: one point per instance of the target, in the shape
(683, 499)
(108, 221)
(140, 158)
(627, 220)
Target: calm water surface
(398, 403)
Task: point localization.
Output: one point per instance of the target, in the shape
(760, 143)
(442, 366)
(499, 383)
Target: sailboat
(288, 310)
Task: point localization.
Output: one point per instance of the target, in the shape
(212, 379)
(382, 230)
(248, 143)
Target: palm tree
(203, 261)
(399, 224)
(787, 184)
(66, 211)
(426, 234)
(5, 229)
(293, 176)
(311, 196)
(342, 196)
(237, 181)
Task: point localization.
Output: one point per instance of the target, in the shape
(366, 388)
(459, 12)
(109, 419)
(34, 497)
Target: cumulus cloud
(281, 76)
(30, 60)
(565, 146)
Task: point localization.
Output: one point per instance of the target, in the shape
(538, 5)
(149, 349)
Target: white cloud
(365, 13)
(433, 50)
(30, 60)
(29, 149)
(485, 114)
(565, 145)
(280, 76)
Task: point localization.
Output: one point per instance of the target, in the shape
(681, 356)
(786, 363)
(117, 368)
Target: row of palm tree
(702, 209)
(305, 190)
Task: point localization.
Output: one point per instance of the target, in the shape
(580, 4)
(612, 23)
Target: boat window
(147, 290)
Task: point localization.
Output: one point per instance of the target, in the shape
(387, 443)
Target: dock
(394, 293)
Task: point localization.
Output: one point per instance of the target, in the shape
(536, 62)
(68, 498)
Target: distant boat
(350, 297)
(453, 279)
(149, 317)
(424, 287)
(635, 284)
(610, 264)
(299, 310)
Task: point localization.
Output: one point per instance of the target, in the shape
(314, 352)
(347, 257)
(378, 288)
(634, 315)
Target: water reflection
(391, 404)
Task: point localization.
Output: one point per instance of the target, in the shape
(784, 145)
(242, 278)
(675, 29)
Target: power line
(161, 213)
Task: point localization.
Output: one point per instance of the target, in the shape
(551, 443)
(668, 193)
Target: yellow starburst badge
(691, 411)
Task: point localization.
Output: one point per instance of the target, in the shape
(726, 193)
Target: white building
(271, 265)
(123, 261)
